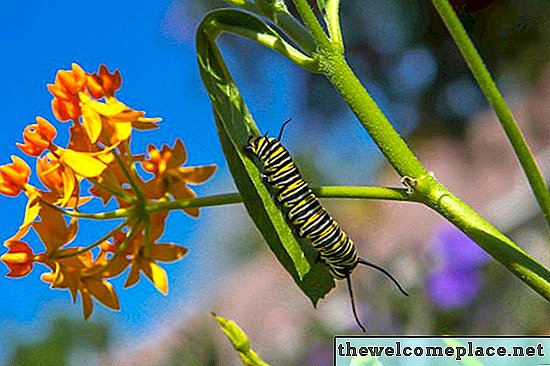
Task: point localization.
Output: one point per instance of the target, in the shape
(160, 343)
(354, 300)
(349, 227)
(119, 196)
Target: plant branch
(107, 215)
(311, 22)
(223, 20)
(493, 95)
(111, 233)
(135, 186)
(426, 188)
(122, 195)
(333, 21)
(486, 236)
(392, 194)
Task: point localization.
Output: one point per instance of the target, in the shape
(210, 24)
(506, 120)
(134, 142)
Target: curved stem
(249, 26)
(493, 95)
(280, 16)
(96, 243)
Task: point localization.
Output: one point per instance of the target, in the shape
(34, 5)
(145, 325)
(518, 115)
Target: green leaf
(235, 126)
(240, 342)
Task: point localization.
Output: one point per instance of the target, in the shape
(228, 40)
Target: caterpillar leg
(348, 280)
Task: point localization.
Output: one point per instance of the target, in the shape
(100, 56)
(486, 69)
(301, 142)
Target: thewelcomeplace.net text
(457, 352)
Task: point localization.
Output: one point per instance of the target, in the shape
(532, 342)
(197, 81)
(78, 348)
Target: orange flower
(13, 177)
(68, 83)
(70, 273)
(166, 165)
(38, 137)
(103, 83)
(50, 172)
(19, 258)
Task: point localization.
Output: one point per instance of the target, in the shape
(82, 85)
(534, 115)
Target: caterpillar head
(255, 144)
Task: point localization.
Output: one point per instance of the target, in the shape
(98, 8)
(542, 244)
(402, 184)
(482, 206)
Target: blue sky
(153, 48)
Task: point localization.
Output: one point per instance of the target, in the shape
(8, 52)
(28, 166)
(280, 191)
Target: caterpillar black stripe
(304, 211)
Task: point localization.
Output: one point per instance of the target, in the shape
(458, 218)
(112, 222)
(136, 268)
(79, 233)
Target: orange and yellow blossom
(170, 176)
(134, 255)
(71, 273)
(38, 137)
(104, 83)
(68, 83)
(98, 150)
(14, 177)
(19, 258)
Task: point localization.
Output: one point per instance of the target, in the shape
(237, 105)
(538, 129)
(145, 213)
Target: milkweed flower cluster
(98, 151)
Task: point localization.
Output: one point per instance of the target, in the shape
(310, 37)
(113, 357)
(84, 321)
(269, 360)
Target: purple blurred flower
(455, 250)
(456, 280)
(452, 288)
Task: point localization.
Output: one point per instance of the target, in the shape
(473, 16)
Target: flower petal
(103, 291)
(196, 174)
(156, 274)
(82, 163)
(167, 252)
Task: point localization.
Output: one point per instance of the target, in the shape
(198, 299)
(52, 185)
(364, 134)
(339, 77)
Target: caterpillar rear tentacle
(304, 211)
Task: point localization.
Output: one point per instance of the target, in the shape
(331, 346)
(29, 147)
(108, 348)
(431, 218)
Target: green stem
(129, 236)
(486, 235)
(96, 243)
(122, 195)
(392, 194)
(108, 215)
(312, 23)
(381, 193)
(135, 186)
(333, 21)
(280, 16)
(295, 30)
(493, 95)
(423, 184)
(224, 21)
(371, 117)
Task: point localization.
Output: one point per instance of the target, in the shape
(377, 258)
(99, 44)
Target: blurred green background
(403, 54)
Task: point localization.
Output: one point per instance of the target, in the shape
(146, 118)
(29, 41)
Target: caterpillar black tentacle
(304, 211)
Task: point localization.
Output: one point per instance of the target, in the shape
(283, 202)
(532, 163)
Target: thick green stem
(485, 235)
(504, 114)
(424, 185)
(371, 117)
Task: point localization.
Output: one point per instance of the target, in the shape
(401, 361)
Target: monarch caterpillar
(304, 211)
